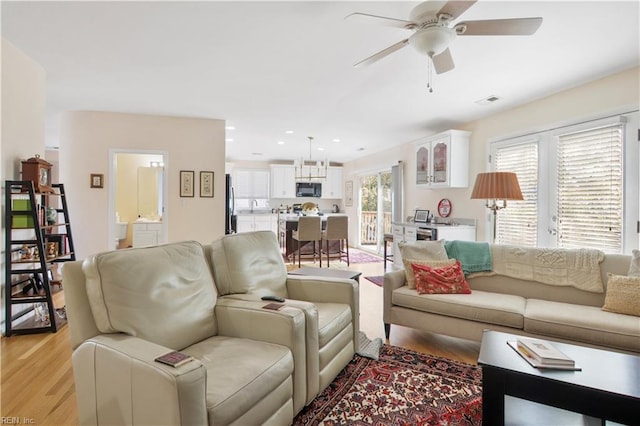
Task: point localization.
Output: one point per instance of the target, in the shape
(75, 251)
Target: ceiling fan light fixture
(432, 41)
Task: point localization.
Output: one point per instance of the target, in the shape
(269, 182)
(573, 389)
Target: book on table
(544, 352)
(174, 358)
(555, 361)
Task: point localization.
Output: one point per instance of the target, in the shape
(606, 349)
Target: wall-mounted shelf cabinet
(283, 181)
(37, 237)
(442, 160)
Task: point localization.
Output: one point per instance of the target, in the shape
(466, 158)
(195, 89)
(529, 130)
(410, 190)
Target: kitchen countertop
(290, 217)
(458, 222)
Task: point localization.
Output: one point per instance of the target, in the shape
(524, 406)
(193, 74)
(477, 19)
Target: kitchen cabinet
(283, 181)
(442, 160)
(257, 222)
(251, 183)
(332, 187)
(146, 234)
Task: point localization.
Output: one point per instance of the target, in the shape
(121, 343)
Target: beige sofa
(518, 306)
(127, 307)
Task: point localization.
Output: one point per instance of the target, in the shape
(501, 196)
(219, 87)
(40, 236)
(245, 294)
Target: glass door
(375, 210)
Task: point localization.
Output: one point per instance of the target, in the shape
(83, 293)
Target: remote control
(273, 298)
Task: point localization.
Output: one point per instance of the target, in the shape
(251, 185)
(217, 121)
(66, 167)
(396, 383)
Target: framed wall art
(97, 180)
(348, 193)
(187, 183)
(206, 184)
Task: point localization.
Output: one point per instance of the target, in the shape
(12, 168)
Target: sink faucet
(254, 202)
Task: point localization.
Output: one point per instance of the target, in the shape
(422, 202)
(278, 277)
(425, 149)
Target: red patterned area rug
(402, 388)
(377, 280)
(360, 256)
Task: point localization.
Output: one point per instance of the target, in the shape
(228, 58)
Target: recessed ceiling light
(336, 140)
(280, 142)
(360, 149)
(230, 128)
(289, 132)
(229, 140)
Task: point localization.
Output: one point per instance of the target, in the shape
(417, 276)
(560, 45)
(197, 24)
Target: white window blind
(517, 224)
(589, 189)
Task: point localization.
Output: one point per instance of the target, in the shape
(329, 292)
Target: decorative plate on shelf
(444, 207)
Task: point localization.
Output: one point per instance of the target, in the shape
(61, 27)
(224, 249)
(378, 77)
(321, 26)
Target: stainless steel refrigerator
(230, 220)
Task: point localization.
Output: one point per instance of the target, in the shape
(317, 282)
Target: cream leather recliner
(127, 307)
(247, 266)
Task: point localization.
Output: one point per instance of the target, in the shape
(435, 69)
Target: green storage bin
(22, 221)
(22, 205)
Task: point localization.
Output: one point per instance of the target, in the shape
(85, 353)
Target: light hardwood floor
(37, 378)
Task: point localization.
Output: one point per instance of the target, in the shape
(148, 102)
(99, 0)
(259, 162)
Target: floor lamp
(496, 188)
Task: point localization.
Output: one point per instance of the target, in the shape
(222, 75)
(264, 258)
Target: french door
(375, 210)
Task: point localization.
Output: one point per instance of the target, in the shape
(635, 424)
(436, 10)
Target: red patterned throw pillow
(443, 280)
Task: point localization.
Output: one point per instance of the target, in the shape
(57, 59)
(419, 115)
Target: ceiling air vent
(488, 100)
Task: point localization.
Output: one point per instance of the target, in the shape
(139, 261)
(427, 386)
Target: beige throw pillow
(408, 270)
(634, 268)
(423, 250)
(623, 295)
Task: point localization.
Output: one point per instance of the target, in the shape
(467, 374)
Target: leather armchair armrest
(135, 389)
(287, 327)
(392, 281)
(329, 290)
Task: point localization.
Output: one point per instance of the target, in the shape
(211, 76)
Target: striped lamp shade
(497, 186)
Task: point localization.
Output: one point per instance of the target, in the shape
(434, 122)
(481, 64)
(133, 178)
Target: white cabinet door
(283, 181)
(463, 233)
(262, 222)
(442, 161)
(245, 223)
(332, 188)
(146, 234)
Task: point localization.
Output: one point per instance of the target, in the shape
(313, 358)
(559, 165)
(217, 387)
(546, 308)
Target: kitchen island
(287, 223)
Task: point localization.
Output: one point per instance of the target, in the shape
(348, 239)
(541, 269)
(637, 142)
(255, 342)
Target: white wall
(612, 94)
(22, 122)
(192, 144)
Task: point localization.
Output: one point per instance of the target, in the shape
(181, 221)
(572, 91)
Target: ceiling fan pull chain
(429, 76)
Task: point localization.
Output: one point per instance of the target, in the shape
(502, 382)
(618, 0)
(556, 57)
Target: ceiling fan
(433, 30)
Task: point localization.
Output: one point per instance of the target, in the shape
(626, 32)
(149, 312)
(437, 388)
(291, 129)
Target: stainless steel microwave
(308, 189)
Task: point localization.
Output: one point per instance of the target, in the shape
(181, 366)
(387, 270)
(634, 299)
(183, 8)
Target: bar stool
(337, 230)
(388, 238)
(309, 230)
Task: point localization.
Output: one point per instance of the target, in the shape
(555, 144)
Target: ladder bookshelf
(37, 236)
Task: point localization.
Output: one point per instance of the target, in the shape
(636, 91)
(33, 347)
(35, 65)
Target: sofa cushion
(164, 294)
(443, 280)
(623, 295)
(423, 250)
(580, 323)
(491, 308)
(249, 262)
(408, 269)
(634, 268)
(238, 380)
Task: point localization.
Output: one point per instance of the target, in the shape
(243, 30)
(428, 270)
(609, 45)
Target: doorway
(375, 210)
(137, 193)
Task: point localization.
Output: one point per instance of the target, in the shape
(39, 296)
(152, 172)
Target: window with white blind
(517, 224)
(589, 189)
(580, 183)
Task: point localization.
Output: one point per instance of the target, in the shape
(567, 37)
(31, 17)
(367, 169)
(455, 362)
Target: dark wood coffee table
(608, 387)
(328, 272)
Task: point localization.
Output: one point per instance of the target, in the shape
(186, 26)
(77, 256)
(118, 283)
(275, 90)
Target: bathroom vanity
(146, 234)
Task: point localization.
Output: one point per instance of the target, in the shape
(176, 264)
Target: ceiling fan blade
(383, 20)
(455, 8)
(381, 54)
(443, 62)
(516, 26)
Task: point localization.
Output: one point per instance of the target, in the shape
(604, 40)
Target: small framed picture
(206, 184)
(421, 216)
(97, 180)
(187, 183)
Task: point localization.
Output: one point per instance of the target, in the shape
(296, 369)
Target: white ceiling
(268, 67)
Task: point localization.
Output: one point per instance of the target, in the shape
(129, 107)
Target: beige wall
(191, 143)
(613, 94)
(22, 122)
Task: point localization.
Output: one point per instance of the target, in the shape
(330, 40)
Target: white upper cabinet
(251, 183)
(332, 187)
(283, 181)
(442, 160)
